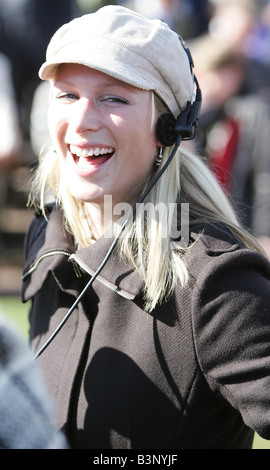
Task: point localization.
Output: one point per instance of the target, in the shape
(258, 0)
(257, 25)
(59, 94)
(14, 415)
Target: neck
(95, 216)
(101, 217)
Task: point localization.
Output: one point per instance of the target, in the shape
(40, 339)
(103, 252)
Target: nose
(85, 116)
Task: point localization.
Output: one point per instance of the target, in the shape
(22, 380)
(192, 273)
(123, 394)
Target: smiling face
(102, 130)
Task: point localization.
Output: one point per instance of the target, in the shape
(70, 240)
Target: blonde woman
(151, 326)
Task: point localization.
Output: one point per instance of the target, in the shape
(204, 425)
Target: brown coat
(193, 374)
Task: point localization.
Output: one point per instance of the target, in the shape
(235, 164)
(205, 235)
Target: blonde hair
(158, 259)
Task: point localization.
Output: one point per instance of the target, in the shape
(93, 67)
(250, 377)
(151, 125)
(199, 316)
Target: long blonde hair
(159, 260)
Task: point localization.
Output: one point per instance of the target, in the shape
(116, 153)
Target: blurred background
(230, 44)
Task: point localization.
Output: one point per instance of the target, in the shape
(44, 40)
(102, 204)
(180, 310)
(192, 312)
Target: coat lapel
(51, 244)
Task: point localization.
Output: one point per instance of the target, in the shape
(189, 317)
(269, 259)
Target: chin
(86, 197)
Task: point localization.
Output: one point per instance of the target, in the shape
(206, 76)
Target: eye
(115, 99)
(67, 96)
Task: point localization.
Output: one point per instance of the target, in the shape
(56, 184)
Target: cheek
(117, 121)
(57, 125)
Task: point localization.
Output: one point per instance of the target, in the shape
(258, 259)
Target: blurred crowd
(229, 41)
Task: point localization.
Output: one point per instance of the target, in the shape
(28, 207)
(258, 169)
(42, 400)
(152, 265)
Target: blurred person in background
(26, 410)
(188, 17)
(234, 23)
(258, 51)
(11, 136)
(234, 132)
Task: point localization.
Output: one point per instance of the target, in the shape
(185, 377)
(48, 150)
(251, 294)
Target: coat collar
(51, 244)
(116, 274)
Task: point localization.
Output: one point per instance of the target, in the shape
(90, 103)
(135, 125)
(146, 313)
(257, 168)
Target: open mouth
(84, 157)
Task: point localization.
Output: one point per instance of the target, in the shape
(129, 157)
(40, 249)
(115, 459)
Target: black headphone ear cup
(165, 129)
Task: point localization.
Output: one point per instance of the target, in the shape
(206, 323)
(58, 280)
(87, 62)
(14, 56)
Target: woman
(168, 347)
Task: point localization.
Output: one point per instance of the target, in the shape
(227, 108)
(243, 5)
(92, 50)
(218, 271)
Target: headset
(168, 128)
(169, 131)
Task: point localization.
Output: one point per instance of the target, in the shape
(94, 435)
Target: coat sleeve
(231, 321)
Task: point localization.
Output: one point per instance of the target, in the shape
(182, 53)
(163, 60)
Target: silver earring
(159, 156)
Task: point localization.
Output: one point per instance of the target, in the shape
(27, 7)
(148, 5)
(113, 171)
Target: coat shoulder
(215, 249)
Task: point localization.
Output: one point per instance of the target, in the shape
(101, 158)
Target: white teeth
(84, 153)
